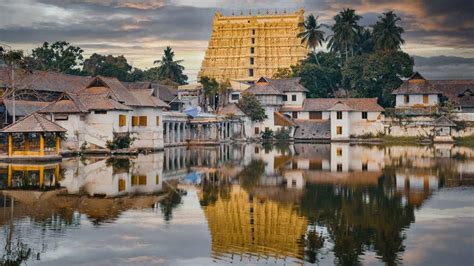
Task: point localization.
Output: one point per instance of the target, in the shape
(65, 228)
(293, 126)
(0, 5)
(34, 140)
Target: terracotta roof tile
(24, 108)
(231, 108)
(33, 123)
(355, 104)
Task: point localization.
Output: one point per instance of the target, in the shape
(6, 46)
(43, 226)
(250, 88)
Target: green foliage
(387, 35)
(250, 175)
(267, 134)
(283, 73)
(107, 65)
(345, 33)
(170, 69)
(250, 105)
(120, 141)
(59, 56)
(210, 88)
(282, 134)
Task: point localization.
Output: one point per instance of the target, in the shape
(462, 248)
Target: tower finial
(284, 11)
(233, 12)
(250, 11)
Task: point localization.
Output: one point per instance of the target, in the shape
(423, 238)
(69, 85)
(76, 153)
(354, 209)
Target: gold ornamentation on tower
(246, 47)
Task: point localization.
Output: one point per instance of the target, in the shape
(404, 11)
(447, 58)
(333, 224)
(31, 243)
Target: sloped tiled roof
(355, 104)
(33, 123)
(145, 97)
(263, 87)
(340, 106)
(443, 121)
(460, 92)
(231, 108)
(416, 84)
(45, 81)
(281, 120)
(118, 90)
(288, 85)
(165, 93)
(24, 108)
(68, 103)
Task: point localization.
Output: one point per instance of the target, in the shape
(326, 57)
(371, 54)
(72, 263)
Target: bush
(120, 141)
(267, 134)
(251, 106)
(282, 134)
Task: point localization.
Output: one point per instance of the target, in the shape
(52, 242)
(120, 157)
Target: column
(10, 144)
(10, 173)
(178, 136)
(166, 127)
(58, 143)
(41, 147)
(41, 176)
(26, 141)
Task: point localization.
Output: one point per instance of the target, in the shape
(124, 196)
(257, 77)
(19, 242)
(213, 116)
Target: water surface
(244, 204)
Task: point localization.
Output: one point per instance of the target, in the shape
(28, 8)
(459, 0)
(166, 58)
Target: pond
(244, 204)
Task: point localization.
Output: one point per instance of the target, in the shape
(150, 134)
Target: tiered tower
(246, 47)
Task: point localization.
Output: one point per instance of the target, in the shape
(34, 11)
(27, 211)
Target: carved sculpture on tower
(247, 47)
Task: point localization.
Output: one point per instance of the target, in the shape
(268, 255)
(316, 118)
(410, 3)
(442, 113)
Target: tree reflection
(171, 202)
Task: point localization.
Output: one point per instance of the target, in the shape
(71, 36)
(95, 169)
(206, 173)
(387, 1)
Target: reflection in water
(302, 203)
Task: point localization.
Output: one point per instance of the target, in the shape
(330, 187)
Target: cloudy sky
(439, 33)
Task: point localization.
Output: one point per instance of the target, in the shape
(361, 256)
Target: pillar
(56, 174)
(58, 143)
(10, 144)
(167, 140)
(41, 176)
(41, 147)
(26, 140)
(178, 137)
(10, 175)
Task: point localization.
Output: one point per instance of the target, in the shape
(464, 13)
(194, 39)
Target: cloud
(445, 67)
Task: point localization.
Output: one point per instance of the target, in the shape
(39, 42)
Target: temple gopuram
(246, 47)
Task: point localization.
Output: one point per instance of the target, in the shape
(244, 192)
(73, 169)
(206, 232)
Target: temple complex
(247, 47)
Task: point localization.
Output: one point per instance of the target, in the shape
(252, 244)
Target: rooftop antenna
(284, 11)
(258, 11)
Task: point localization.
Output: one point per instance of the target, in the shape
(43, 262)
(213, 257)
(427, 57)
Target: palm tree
(345, 31)
(387, 35)
(170, 69)
(312, 35)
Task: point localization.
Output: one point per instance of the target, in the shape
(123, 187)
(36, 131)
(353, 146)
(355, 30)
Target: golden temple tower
(246, 47)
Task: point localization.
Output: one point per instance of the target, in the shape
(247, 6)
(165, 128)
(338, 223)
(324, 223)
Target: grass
(401, 140)
(465, 141)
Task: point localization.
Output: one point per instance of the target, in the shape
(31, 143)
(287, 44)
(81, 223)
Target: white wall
(415, 99)
(372, 125)
(344, 122)
(300, 96)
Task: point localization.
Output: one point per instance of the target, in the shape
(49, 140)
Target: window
(122, 120)
(294, 164)
(315, 115)
(257, 130)
(121, 185)
(339, 115)
(100, 112)
(293, 183)
(339, 167)
(406, 98)
(256, 150)
(142, 121)
(425, 98)
(60, 117)
(252, 60)
(364, 167)
(339, 130)
(253, 40)
(252, 50)
(234, 96)
(157, 121)
(285, 98)
(134, 121)
(253, 32)
(364, 115)
(293, 98)
(250, 72)
(267, 129)
(294, 115)
(157, 179)
(339, 152)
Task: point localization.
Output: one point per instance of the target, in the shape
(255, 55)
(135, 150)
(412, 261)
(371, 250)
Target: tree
(210, 87)
(59, 56)
(282, 73)
(170, 69)
(321, 80)
(376, 74)
(312, 35)
(345, 31)
(387, 35)
(224, 89)
(365, 42)
(108, 65)
(250, 105)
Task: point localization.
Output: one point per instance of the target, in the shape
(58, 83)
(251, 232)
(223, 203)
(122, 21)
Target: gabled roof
(263, 87)
(355, 104)
(33, 123)
(67, 103)
(459, 92)
(288, 85)
(118, 90)
(443, 121)
(416, 84)
(145, 97)
(231, 108)
(340, 106)
(24, 108)
(266, 86)
(281, 120)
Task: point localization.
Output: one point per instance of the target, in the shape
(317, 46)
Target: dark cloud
(445, 67)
